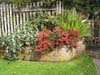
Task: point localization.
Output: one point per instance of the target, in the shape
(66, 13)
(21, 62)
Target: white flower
(14, 50)
(6, 51)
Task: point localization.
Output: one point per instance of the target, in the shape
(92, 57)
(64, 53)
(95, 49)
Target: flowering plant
(48, 39)
(44, 43)
(68, 37)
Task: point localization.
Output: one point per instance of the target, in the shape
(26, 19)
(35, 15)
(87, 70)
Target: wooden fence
(95, 32)
(11, 17)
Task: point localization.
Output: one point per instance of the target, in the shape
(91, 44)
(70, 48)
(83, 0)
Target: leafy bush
(48, 40)
(45, 21)
(74, 20)
(69, 37)
(44, 43)
(15, 42)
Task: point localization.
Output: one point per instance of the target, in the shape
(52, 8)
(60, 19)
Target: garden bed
(58, 54)
(47, 38)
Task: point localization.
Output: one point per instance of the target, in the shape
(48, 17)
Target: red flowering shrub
(48, 39)
(73, 33)
(44, 43)
(43, 35)
(57, 29)
(72, 37)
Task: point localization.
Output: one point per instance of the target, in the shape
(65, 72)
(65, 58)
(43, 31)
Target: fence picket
(9, 19)
(0, 23)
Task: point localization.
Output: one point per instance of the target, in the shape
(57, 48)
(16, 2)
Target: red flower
(57, 29)
(43, 41)
(69, 37)
(73, 33)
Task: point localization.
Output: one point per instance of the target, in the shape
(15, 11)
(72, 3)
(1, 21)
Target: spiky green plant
(72, 19)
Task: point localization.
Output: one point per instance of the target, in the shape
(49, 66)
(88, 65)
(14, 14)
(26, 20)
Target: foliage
(90, 6)
(43, 21)
(87, 6)
(74, 20)
(44, 43)
(23, 3)
(15, 42)
(5, 1)
(47, 40)
(69, 37)
(27, 35)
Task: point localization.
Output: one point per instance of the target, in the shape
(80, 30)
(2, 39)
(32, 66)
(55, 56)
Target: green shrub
(43, 21)
(21, 3)
(14, 43)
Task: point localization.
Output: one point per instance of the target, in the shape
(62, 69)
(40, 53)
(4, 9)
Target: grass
(82, 65)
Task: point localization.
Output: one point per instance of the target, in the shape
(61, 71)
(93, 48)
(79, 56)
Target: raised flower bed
(59, 45)
(63, 54)
(47, 38)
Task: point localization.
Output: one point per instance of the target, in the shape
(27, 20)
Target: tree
(90, 6)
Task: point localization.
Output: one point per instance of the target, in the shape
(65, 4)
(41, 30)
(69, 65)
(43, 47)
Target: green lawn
(82, 65)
